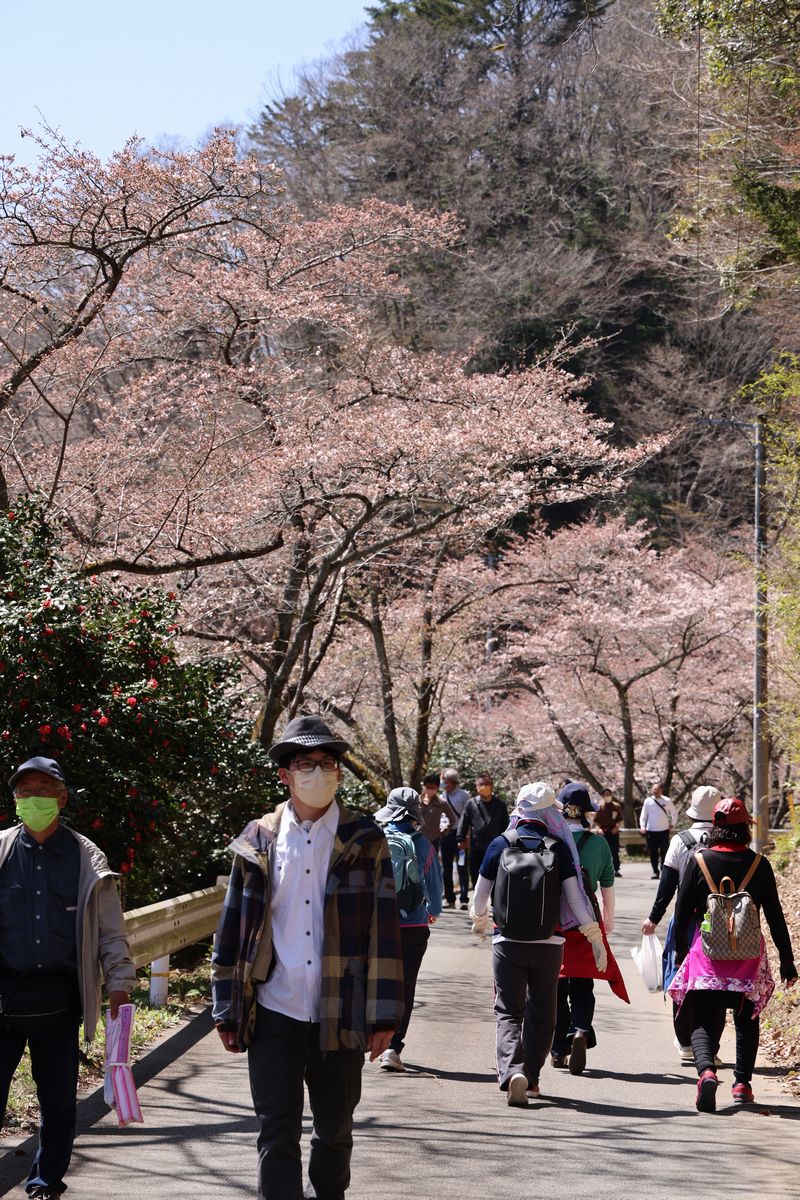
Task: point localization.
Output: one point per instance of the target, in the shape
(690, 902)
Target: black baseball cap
(48, 766)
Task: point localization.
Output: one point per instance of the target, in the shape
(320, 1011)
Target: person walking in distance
(532, 875)
(680, 854)
(418, 882)
(656, 820)
(457, 798)
(608, 819)
(61, 924)
(307, 967)
(437, 815)
(484, 818)
(711, 957)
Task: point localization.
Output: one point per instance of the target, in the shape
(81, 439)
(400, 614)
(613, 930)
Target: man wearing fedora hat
(307, 966)
(60, 923)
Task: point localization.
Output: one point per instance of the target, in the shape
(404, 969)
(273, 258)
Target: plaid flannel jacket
(362, 969)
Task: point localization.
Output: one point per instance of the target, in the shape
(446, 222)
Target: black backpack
(527, 891)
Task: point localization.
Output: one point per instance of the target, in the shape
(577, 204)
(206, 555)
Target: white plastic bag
(648, 961)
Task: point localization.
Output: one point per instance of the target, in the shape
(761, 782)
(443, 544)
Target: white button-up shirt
(299, 875)
(657, 815)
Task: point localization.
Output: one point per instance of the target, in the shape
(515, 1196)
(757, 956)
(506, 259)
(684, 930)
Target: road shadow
(15, 1161)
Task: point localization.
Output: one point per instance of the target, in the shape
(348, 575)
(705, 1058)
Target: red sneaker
(743, 1094)
(706, 1099)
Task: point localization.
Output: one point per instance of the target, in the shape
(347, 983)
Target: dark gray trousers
(282, 1055)
(525, 1006)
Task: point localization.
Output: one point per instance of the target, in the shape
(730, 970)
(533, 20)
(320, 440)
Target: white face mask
(315, 788)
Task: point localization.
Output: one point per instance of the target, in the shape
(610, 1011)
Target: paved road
(626, 1129)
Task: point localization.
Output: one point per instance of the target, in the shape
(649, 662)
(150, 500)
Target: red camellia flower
(47, 604)
(131, 700)
(84, 727)
(45, 730)
(97, 823)
(104, 721)
(77, 708)
(6, 734)
(215, 770)
(152, 684)
(131, 853)
(47, 631)
(96, 712)
(124, 867)
(62, 730)
(133, 791)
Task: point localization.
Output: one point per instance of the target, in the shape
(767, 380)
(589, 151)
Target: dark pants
(476, 857)
(450, 852)
(682, 1020)
(657, 844)
(525, 991)
(708, 1022)
(53, 1049)
(613, 845)
(282, 1055)
(414, 943)
(575, 1011)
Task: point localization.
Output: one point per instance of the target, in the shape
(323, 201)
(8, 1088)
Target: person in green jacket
(574, 1034)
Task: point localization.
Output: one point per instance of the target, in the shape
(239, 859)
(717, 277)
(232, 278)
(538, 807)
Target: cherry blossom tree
(631, 666)
(194, 381)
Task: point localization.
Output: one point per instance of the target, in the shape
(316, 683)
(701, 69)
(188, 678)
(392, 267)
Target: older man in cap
(418, 882)
(307, 969)
(680, 852)
(60, 924)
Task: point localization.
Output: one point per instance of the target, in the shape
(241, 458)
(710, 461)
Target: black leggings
(708, 1022)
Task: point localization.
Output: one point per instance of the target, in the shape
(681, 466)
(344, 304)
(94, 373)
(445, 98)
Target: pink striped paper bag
(120, 1090)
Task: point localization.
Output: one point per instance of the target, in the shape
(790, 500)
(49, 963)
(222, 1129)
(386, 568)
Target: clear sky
(101, 70)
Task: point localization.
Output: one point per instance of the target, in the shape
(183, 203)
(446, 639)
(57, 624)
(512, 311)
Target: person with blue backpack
(532, 874)
(418, 883)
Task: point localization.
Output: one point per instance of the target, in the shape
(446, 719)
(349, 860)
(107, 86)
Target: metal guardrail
(158, 930)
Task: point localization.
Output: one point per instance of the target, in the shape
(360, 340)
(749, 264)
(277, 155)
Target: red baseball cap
(731, 811)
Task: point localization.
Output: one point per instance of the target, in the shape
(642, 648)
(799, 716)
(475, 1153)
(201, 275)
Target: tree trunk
(387, 696)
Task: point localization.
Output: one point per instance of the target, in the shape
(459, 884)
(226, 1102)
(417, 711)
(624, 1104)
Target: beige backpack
(731, 928)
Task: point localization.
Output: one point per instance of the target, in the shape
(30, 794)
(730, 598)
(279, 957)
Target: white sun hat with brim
(533, 797)
(703, 801)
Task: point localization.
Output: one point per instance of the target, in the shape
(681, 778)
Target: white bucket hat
(533, 797)
(703, 801)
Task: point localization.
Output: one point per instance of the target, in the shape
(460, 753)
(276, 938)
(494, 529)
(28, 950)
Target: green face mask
(37, 812)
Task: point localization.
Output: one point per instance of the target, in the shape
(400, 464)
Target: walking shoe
(448, 904)
(743, 1094)
(559, 1060)
(577, 1055)
(654, 876)
(618, 874)
(533, 1092)
(44, 1193)
(517, 1087)
(391, 1061)
(706, 1099)
(686, 1052)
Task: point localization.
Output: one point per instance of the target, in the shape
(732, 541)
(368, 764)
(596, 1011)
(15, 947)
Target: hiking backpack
(407, 883)
(731, 928)
(527, 891)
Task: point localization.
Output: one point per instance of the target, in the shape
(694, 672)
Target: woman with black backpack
(721, 951)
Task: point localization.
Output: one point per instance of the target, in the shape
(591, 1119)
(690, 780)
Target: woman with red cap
(717, 984)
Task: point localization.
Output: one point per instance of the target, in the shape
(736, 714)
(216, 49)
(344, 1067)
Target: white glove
(593, 935)
(480, 924)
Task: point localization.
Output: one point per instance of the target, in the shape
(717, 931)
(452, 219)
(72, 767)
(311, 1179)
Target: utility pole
(760, 626)
(760, 682)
